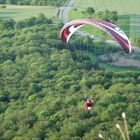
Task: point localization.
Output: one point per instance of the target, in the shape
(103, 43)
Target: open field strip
(122, 6)
(18, 12)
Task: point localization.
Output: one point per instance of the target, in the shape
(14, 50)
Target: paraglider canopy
(71, 27)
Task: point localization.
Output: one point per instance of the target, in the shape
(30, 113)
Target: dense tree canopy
(44, 83)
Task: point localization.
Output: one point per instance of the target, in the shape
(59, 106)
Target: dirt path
(121, 61)
(127, 62)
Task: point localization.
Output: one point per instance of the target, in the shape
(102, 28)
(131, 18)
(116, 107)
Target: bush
(3, 6)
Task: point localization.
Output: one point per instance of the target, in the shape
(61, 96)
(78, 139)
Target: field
(114, 68)
(18, 12)
(122, 6)
(128, 12)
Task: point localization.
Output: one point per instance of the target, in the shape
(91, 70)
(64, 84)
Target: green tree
(11, 1)
(90, 11)
(2, 1)
(136, 132)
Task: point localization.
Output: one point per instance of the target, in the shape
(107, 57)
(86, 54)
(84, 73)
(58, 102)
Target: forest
(45, 82)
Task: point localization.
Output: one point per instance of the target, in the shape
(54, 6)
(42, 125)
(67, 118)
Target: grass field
(122, 6)
(117, 68)
(125, 9)
(18, 12)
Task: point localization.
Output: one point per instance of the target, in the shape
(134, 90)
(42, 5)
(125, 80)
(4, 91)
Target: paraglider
(71, 27)
(88, 104)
